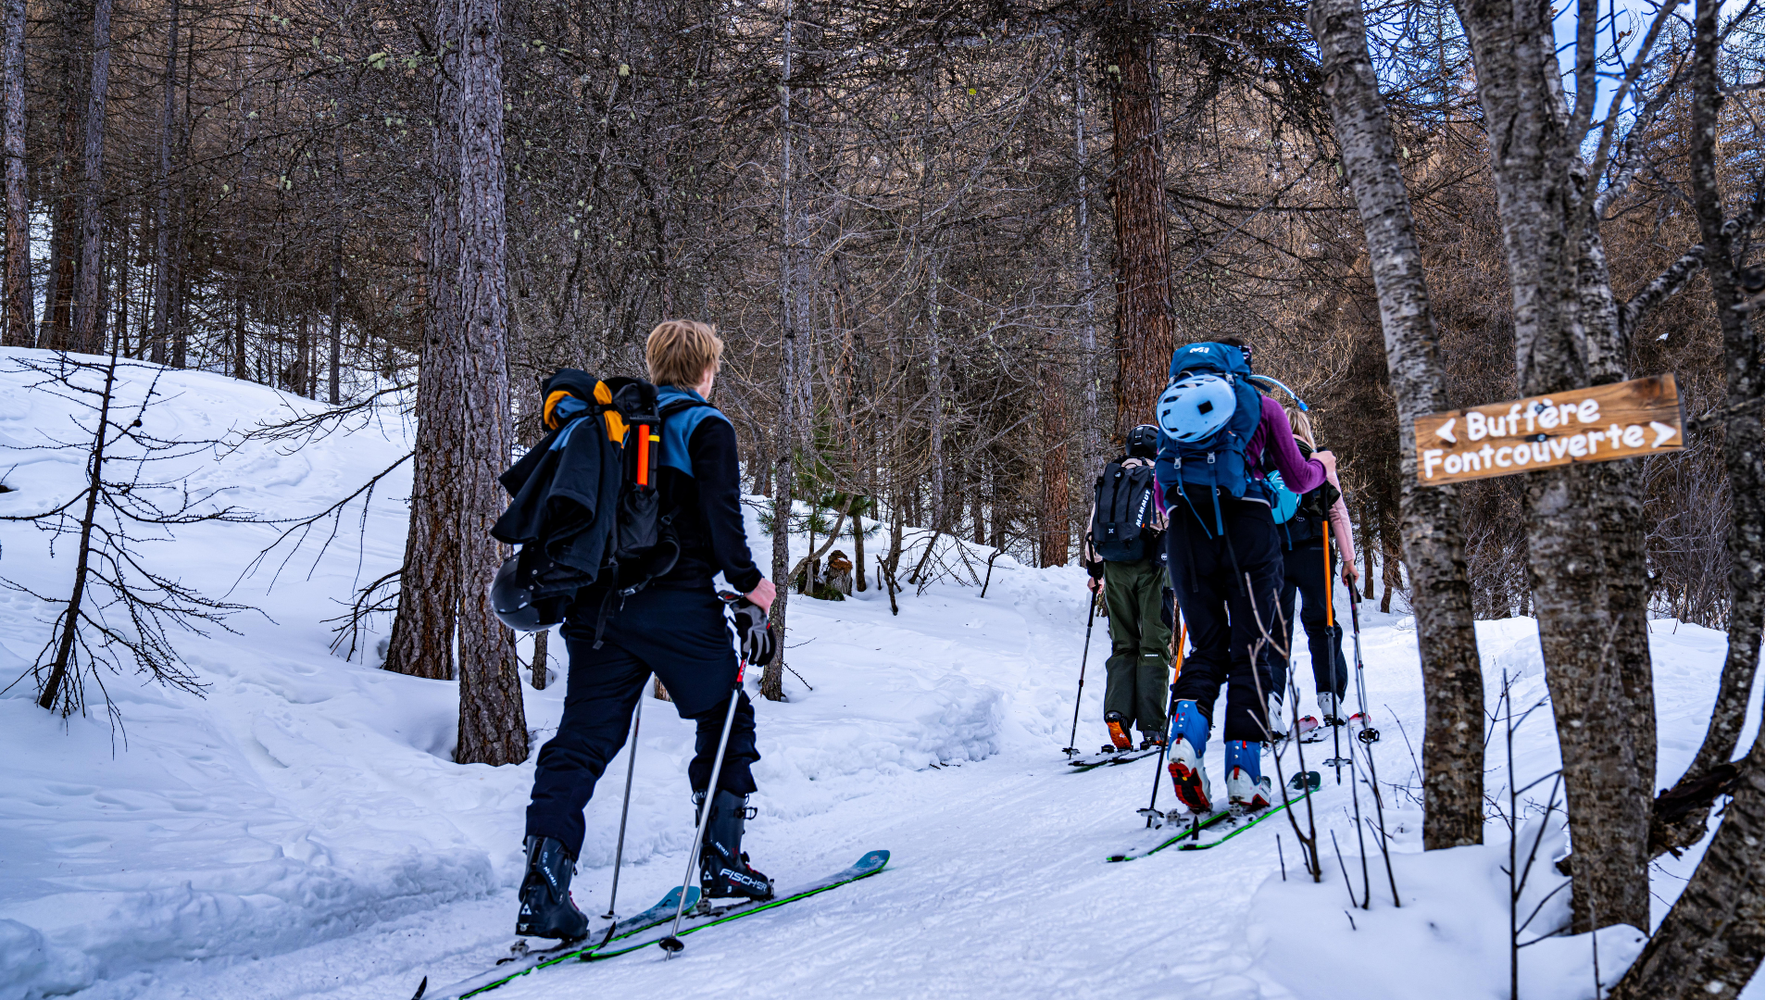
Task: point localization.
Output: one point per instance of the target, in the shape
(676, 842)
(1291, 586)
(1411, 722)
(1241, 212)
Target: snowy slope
(300, 832)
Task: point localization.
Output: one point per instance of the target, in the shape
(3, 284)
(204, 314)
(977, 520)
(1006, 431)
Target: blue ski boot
(1248, 789)
(1185, 755)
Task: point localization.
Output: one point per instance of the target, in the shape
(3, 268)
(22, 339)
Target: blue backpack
(1217, 464)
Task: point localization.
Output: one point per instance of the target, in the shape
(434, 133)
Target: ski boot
(724, 869)
(1275, 717)
(1120, 730)
(1150, 740)
(1330, 708)
(545, 907)
(1248, 790)
(1185, 755)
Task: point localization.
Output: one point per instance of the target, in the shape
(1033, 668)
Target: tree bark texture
(423, 637)
(490, 707)
(158, 338)
(771, 685)
(1057, 497)
(1431, 518)
(1092, 449)
(1591, 597)
(17, 305)
(1744, 371)
(88, 308)
(1714, 939)
(1139, 214)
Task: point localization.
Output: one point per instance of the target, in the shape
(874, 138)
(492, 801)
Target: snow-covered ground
(301, 831)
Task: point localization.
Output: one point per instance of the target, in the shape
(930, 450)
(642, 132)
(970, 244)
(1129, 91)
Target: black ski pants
(1305, 574)
(1211, 575)
(680, 636)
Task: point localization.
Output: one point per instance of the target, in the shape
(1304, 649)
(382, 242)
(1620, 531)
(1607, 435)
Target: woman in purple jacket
(1227, 584)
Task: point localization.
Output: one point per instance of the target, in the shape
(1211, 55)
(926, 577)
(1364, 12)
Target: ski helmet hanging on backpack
(1194, 408)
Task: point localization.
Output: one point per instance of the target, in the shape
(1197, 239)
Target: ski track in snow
(301, 833)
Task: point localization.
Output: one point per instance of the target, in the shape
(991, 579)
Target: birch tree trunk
(18, 305)
(1590, 596)
(1745, 380)
(1431, 518)
(89, 308)
(1139, 211)
(490, 707)
(1714, 939)
(771, 684)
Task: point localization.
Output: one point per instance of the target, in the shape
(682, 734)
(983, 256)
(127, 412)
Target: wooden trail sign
(1606, 422)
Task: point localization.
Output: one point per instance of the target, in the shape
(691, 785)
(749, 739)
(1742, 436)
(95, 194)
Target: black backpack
(598, 522)
(1124, 515)
(1312, 508)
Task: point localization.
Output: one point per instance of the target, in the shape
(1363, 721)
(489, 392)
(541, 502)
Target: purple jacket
(1273, 439)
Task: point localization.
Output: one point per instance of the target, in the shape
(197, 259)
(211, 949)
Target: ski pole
(623, 823)
(1332, 650)
(1178, 659)
(1369, 733)
(671, 942)
(1081, 688)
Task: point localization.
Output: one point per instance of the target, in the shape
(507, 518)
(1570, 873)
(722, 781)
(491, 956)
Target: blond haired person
(1305, 573)
(676, 630)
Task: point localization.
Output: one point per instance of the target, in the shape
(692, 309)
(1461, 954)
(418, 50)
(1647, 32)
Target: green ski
(867, 866)
(504, 973)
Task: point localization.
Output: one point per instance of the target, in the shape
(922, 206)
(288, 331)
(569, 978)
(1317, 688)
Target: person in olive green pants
(1126, 564)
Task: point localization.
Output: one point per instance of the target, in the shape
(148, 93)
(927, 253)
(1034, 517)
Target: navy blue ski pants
(680, 636)
(1211, 574)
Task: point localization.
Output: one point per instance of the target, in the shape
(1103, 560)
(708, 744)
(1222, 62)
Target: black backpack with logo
(1124, 516)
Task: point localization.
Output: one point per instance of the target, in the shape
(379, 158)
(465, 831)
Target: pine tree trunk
(1058, 499)
(1432, 535)
(1139, 213)
(491, 711)
(163, 183)
(18, 301)
(540, 660)
(1714, 939)
(86, 333)
(423, 637)
(1591, 615)
(1092, 449)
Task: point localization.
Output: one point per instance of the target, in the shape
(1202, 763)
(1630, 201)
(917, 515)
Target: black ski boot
(545, 907)
(724, 868)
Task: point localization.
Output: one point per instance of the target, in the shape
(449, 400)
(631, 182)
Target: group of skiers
(1219, 519)
(628, 507)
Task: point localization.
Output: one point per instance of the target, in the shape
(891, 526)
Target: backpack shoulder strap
(681, 413)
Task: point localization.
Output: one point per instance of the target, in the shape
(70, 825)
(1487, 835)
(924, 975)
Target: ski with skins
(1191, 828)
(508, 969)
(866, 866)
(1243, 823)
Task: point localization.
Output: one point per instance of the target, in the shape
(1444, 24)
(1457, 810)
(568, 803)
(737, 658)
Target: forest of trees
(951, 248)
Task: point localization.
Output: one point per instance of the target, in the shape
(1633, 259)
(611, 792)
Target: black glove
(759, 644)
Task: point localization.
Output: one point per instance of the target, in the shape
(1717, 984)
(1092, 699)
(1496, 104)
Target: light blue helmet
(1194, 408)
